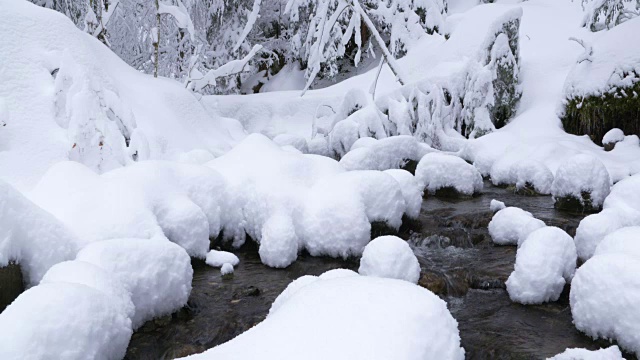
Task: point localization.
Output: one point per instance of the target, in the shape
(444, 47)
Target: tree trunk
(156, 45)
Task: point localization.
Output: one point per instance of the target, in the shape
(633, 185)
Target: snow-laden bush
(31, 237)
(389, 153)
(622, 241)
(621, 209)
(582, 182)
(610, 353)
(545, 262)
(438, 172)
(512, 225)
(416, 324)
(605, 14)
(156, 272)
(604, 298)
(390, 257)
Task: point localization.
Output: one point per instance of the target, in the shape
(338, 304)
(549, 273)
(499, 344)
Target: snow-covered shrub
(389, 153)
(64, 321)
(604, 298)
(156, 272)
(545, 262)
(31, 237)
(622, 241)
(512, 226)
(581, 183)
(411, 190)
(416, 325)
(605, 14)
(610, 353)
(612, 137)
(319, 145)
(442, 174)
(390, 257)
(296, 141)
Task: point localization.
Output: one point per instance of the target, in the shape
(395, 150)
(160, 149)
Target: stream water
(459, 262)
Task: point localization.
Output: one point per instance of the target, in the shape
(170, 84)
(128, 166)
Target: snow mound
(622, 241)
(613, 136)
(604, 296)
(226, 269)
(545, 262)
(64, 321)
(584, 179)
(610, 353)
(296, 141)
(416, 324)
(30, 236)
(388, 153)
(512, 225)
(533, 174)
(217, 258)
(390, 257)
(438, 171)
(157, 272)
(186, 203)
(496, 205)
(278, 242)
(411, 191)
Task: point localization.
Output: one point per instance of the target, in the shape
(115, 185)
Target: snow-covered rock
(278, 241)
(64, 321)
(512, 225)
(157, 272)
(30, 236)
(437, 172)
(226, 269)
(319, 145)
(496, 205)
(581, 182)
(604, 295)
(612, 137)
(545, 262)
(296, 141)
(622, 241)
(533, 175)
(416, 324)
(218, 258)
(411, 190)
(388, 153)
(610, 353)
(390, 257)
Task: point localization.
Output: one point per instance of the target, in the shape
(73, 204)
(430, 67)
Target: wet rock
(249, 291)
(11, 284)
(482, 283)
(572, 204)
(433, 282)
(183, 351)
(410, 166)
(449, 192)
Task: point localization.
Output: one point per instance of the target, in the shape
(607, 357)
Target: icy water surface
(459, 263)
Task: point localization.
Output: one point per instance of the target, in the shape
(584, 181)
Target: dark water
(459, 263)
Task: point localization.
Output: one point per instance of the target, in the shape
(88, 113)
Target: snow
(411, 191)
(496, 205)
(296, 141)
(218, 258)
(522, 174)
(512, 226)
(416, 324)
(226, 269)
(278, 241)
(604, 296)
(157, 272)
(582, 174)
(610, 353)
(390, 257)
(622, 241)
(31, 237)
(64, 321)
(388, 153)
(613, 136)
(437, 171)
(545, 262)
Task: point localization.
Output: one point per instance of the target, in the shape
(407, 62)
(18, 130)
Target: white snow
(534, 174)
(545, 262)
(582, 174)
(436, 171)
(157, 273)
(390, 257)
(512, 226)
(278, 241)
(613, 136)
(411, 191)
(226, 269)
(610, 353)
(388, 319)
(218, 258)
(496, 205)
(604, 295)
(622, 241)
(388, 153)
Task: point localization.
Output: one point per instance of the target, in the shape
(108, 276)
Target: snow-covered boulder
(611, 138)
(157, 272)
(411, 190)
(545, 262)
(296, 141)
(610, 353)
(31, 237)
(319, 145)
(581, 183)
(64, 321)
(416, 324)
(605, 293)
(218, 258)
(388, 153)
(622, 241)
(447, 174)
(390, 257)
(532, 176)
(512, 225)
(278, 241)
(196, 157)
(226, 269)
(496, 205)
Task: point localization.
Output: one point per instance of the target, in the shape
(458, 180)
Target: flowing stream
(459, 262)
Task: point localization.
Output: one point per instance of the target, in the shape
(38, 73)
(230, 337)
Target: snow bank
(30, 236)
(581, 178)
(512, 225)
(416, 324)
(604, 296)
(64, 321)
(390, 257)
(610, 353)
(388, 153)
(217, 258)
(621, 209)
(157, 272)
(622, 241)
(545, 262)
(437, 171)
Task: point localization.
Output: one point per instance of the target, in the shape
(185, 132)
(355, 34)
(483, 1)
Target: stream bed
(459, 263)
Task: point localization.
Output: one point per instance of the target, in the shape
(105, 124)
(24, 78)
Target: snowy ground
(111, 180)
